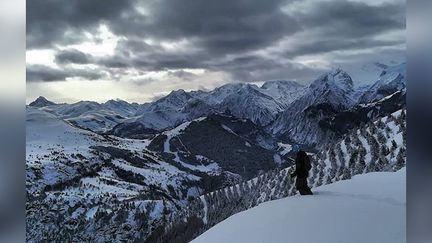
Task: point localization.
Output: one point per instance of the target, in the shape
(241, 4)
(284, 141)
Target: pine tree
(374, 146)
(361, 164)
(347, 142)
(340, 153)
(372, 128)
(320, 177)
(328, 179)
(384, 150)
(381, 164)
(346, 174)
(394, 145)
(354, 157)
(337, 174)
(380, 124)
(363, 131)
(400, 159)
(332, 157)
(388, 131)
(371, 167)
(381, 137)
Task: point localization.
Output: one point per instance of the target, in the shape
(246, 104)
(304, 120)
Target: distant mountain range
(288, 110)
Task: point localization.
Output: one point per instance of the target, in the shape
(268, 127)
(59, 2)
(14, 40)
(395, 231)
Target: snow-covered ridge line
(276, 105)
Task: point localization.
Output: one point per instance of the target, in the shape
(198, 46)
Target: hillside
(367, 208)
(376, 146)
(82, 180)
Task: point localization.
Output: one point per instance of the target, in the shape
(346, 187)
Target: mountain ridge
(293, 112)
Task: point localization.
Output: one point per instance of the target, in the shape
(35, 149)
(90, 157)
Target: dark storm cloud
(114, 62)
(72, 56)
(323, 45)
(222, 35)
(182, 74)
(151, 61)
(52, 22)
(130, 46)
(223, 26)
(254, 68)
(345, 25)
(43, 73)
(352, 19)
(138, 54)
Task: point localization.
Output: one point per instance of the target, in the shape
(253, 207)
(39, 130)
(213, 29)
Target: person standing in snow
(303, 165)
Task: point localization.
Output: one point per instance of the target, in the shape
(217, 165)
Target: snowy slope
(79, 179)
(218, 142)
(367, 208)
(48, 136)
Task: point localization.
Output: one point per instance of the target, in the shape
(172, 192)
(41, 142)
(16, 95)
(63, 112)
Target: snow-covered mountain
(177, 107)
(41, 102)
(248, 102)
(98, 117)
(329, 94)
(285, 92)
(258, 104)
(391, 79)
(360, 91)
(367, 208)
(121, 107)
(330, 107)
(334, 88)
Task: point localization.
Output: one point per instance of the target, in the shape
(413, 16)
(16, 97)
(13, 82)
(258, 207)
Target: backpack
(307, 162)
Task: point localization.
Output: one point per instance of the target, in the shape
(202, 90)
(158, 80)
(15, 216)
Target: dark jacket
(303, 165)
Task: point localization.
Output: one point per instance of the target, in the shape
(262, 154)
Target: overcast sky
(138, 50)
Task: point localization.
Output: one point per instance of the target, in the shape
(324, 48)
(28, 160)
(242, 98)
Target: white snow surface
(367, 208)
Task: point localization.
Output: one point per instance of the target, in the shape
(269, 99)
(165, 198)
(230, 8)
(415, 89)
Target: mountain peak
(41, 102)
(178, 92)
(336, 78)
(232, 86)
(278, 83)
(116, 102)
(342, 79)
